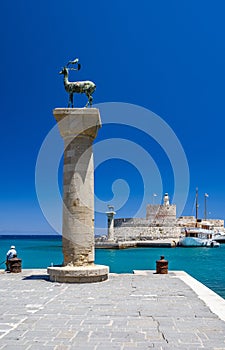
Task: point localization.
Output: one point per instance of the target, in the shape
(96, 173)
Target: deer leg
(90, 100)
(87, 101)
(71, 100)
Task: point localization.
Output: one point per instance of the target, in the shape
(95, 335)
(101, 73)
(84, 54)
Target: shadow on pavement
(37, 277)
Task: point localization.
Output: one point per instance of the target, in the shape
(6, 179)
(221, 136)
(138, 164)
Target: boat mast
(196, 208)
(205, 212)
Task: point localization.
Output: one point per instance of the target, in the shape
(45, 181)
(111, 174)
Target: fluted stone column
(78, 127)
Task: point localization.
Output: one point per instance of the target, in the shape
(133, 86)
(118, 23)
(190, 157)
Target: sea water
(205, 264)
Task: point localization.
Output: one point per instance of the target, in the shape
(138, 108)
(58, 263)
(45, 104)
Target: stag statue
(87, 87)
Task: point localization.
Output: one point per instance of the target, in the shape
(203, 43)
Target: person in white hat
(10, 254)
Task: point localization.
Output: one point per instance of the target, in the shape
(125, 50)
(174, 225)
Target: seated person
(10, 254)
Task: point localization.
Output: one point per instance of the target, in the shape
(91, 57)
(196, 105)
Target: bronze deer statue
(81, 87)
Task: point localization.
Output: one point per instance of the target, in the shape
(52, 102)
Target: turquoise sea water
(205, 264)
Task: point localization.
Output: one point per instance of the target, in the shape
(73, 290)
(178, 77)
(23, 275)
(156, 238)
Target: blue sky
(165, 56)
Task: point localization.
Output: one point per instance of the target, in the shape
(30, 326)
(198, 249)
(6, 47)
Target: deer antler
(78, 68)
(75, 61)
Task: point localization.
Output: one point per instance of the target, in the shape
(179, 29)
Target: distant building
(190, 221)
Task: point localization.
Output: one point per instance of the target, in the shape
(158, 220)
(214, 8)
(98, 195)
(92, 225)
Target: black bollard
(15, 265)
(162, 266)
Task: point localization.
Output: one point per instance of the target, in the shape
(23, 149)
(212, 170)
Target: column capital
(78, 121)
(110, 213)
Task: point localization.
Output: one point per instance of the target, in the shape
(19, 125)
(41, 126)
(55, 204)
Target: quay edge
(169, 243)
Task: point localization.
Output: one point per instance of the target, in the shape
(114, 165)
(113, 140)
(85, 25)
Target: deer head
(64, 71)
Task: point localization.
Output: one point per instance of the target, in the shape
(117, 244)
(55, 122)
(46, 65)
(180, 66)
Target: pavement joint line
(13, 327)
(61, 291)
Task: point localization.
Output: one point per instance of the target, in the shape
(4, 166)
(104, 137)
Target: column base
(78, 274)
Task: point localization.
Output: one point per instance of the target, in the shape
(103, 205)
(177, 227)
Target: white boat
(203, 236)
(198, 237)
(219, 237)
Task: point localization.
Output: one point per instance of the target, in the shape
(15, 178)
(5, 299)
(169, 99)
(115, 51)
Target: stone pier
(78, 127)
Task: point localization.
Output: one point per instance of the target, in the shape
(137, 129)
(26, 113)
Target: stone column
(110, 215)
(78, 127)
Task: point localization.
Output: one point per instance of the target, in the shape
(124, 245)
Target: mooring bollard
(15, 265)
(162, 266)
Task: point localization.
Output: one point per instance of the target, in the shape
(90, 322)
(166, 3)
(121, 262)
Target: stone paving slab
(128, 311)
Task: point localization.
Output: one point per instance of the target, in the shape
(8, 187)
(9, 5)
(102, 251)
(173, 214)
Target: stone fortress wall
(161, 213)
(160, 223)
(143, 233)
